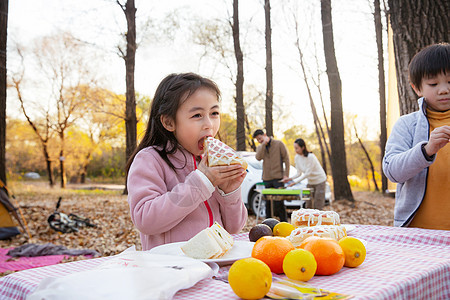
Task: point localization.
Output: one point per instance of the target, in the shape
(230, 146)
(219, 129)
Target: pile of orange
(251, 278)
(272, 250)
(329, 255)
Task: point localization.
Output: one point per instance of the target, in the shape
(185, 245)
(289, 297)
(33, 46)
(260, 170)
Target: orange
(299, 264)
(305, 241)
(272, 250)
(329, 255)
(250, 278)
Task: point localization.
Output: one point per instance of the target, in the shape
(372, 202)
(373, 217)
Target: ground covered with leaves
(107, 208)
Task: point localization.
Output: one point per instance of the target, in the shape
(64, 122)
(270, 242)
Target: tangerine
(305, 241)
(329, 255)
(272, 250)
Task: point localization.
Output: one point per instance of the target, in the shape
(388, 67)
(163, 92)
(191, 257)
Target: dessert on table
(298, 235)
(313, 217)
(314, 222)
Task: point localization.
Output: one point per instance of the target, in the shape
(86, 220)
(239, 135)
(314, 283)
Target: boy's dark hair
(302, 143)
(428, 62)
(258, 132)
(173, 90)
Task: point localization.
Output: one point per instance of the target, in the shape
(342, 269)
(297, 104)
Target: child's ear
(168, 123)
(418, 92)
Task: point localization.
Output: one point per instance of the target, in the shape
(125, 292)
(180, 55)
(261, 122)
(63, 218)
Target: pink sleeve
(233, 212)
(153, 208)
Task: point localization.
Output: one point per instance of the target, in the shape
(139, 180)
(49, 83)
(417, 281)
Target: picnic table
(401, 263)
(280, 194)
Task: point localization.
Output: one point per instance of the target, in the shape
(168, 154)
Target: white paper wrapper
(129, 275)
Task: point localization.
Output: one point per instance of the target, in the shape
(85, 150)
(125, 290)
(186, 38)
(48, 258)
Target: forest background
(94, 141)
(80, 59)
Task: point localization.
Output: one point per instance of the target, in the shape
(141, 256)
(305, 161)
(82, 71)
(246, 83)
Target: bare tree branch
(368, 158)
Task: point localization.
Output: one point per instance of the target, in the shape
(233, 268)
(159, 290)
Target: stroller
(61, 222)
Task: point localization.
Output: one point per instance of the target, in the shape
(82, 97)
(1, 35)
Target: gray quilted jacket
(405, 164)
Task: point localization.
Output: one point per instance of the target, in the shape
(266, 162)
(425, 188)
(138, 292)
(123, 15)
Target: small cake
(220, 154)
(211, 242)
(299, 234)
(313, 217)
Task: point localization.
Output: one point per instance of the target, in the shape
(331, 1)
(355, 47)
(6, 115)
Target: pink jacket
(168, 206)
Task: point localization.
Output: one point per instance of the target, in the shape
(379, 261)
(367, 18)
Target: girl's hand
(439, 137)
(285, 180)
(227, 178)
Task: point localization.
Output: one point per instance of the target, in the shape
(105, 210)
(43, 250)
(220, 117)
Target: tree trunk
(415, 24)
(269, 73)
(322, 149)
(326, 150)
(324, 137)
(240, 110)
(48, 162)
(84, 169)
(250, 140)
(317, 125)
(62, 169)
(130, 58)
(381, 87)
(372, 170)
(338, 159)
(129, 10)
(3, 38)
(44, 139)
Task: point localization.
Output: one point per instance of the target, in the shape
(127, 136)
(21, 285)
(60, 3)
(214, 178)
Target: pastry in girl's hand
(220, 154)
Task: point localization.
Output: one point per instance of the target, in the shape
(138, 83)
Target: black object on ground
(61, 222)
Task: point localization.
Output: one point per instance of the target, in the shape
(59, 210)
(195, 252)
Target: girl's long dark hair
(170, 94)
(301, 143)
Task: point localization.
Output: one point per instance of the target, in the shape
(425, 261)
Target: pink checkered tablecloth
(401, 263)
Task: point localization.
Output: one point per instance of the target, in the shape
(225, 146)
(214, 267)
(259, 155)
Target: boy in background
(418, 152)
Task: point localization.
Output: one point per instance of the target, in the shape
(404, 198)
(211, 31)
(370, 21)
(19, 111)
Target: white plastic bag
(129, 275)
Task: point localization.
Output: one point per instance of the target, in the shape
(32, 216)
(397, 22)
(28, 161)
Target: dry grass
(108, 209)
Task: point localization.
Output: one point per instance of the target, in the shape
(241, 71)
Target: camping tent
(7, 212)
